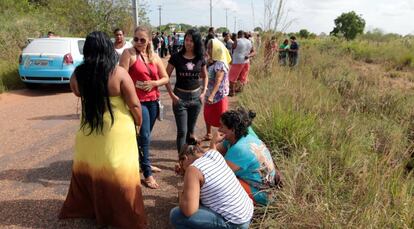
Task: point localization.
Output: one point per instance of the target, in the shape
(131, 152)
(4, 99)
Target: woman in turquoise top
(246, 154)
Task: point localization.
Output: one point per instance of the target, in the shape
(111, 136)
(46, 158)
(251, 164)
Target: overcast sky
(391, 16)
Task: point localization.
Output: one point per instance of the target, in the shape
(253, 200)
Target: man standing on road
(164, 43)
(156, 43)
(120, 44)
(243, 50)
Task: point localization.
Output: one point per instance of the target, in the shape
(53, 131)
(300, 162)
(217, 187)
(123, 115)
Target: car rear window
(48, 46)
(81, 43)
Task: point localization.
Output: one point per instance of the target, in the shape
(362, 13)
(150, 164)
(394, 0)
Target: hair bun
(252, 114)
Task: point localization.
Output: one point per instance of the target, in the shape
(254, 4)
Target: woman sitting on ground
(246, 154)
(212, 197)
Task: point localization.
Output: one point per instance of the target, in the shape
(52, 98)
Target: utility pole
(211, 13)
(159, 10)
(227, 9)
(135, 11)
(235, 20)
(253, 15)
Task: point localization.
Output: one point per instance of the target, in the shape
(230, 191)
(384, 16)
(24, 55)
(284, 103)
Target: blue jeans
(186, 112)
(149, 115)
(204, 218)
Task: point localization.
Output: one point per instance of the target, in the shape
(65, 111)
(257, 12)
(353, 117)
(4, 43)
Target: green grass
(9, 77)
(341, 138)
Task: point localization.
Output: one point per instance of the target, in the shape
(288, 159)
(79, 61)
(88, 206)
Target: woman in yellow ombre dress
(105, 182)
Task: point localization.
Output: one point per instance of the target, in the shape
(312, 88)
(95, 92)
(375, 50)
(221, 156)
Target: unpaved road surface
(37, 133)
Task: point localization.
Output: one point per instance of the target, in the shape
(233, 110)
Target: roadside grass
(342, 139)
(9, 77)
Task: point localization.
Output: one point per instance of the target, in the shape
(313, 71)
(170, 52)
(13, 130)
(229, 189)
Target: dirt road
(37, 132)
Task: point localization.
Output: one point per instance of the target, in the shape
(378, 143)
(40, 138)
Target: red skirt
(212, 112)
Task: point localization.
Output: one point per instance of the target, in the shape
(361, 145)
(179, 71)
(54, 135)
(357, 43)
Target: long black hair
(239, 120)
(198, 43)
(99, 61)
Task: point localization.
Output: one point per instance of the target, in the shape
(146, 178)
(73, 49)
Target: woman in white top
(212, 197)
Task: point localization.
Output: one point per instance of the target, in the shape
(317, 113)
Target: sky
(316, 16)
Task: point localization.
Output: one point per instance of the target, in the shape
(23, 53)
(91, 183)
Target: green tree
(220, 30)
(349, 25)
(203, 29)
(181, 27)
(258, 29)
(303, 33)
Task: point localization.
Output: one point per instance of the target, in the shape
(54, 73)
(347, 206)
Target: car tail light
(20, 59)
(67, 59)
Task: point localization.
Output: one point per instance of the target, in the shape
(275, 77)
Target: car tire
(31, 85)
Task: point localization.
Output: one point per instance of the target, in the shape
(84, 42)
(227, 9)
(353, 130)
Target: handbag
(160, 115)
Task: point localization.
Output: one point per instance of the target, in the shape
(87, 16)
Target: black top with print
(188, 71)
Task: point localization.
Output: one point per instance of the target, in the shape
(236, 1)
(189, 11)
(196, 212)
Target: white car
(50, 60)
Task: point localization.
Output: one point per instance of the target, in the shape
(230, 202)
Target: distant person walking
(148, 73)
(175, 42)
(164, 44)
(243, 50)
(170, 44)
(216, 102)
(156, 43)
(120, 44)
(105, 183)
(293, 52)
(188, 93)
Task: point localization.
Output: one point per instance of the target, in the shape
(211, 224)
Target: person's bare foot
(150, 182)
(155, 169)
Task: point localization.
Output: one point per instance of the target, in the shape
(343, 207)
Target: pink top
(139, 72)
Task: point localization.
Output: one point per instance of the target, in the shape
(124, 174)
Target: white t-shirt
(121, 50)
(243, 49)
(221, 191)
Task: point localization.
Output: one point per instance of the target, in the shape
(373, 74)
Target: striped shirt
(221, 191)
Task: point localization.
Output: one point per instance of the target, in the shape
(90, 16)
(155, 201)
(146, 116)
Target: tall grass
(341, 138)
(22, 19)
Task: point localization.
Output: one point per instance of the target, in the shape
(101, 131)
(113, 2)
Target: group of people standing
(120, 94)
(164, 44)
(288, 53)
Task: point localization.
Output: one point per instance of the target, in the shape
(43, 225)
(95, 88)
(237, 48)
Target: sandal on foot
(155, 169)
(150, 182)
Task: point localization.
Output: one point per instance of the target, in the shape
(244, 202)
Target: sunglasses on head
(139, 40)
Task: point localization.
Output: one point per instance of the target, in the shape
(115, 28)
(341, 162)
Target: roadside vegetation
(341, 131)
(340, 125)
(23, 19)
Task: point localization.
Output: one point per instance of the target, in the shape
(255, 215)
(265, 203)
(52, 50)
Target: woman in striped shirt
(212, 197)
